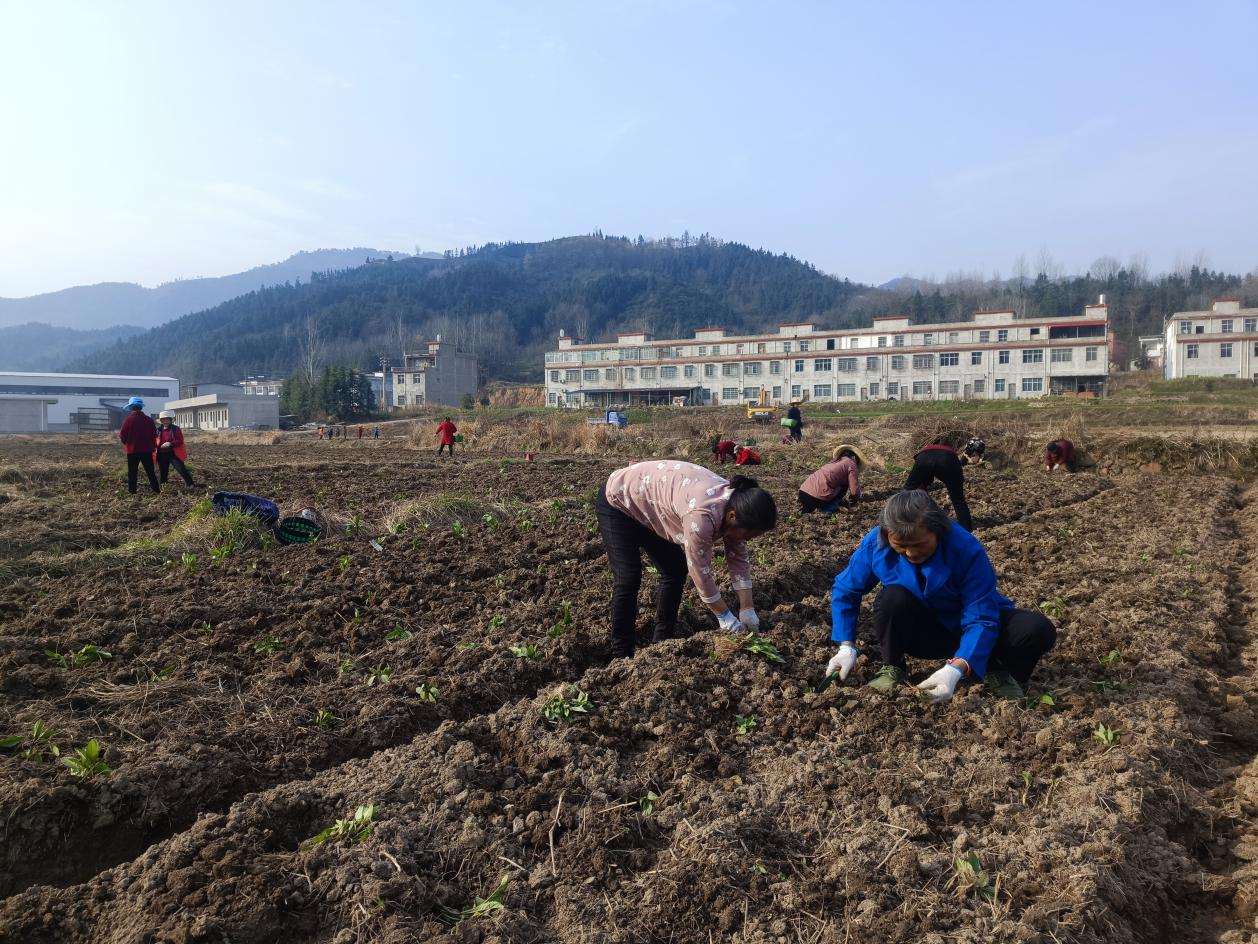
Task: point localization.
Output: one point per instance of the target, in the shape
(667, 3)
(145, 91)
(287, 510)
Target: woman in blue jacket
(938, 601)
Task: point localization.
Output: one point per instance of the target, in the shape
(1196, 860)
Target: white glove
(749, 619)
(729, 622)
(165, 445)
(843, 662)
(942, 684)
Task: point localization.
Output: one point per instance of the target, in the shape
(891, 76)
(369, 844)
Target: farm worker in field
(320, 430)
(938, 460)
(797, 431)
(938, 601)
(375, 432)
(723, 449)
(745, 455)
(973, 451)
(676, 512)
(170, 448)
(1058, 453)
(835, 481)
(446, 430)
(360, 431)
(138, 434)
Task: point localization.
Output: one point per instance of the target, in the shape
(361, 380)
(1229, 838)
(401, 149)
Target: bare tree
(398, 335)
(1104, 268)
(311, 346)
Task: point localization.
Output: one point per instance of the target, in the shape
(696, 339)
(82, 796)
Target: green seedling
(745, 724)
(481, 907)
(490, 521)
(188, 562)
(495, 622)
(1111, 659)
(357, 617)
(760, 869)
(218, 555)
(202, 628)
(458, 530)
(343, 563)
(34, 745)
(86, 761)
(526, 652)
(1107, 736)
(354, 829)
(397, 527)
(162, 674)
(466, 645)
(1055, 609)
(759, 646)
(267, 646)
(564, 624)
(971, 878)
(76, 660)
(563, 707)
(428, 692)
(325, 719)
(647, 803)
(355, 525)
(652, 570)
(399, 633)
(1034, 701)
(379, 675)
(345, 665)
(526, 524)
(1027, 782)
(762, 557)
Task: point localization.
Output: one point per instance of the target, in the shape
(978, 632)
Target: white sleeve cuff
(741, 584)
(711, 599)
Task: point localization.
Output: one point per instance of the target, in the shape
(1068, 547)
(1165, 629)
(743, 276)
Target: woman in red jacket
(446, 430)
(170, 447)
(745, 455)
(138, 435)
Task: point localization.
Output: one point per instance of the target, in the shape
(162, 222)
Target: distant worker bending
(723, 450)
(446, 430)
(974, 451)
(1058, 454)
(827, 488)
(745, 455)
(938, 460)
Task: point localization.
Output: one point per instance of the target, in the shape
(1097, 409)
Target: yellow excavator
(761, 412)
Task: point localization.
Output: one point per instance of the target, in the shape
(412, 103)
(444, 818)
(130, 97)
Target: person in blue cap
(138, 435)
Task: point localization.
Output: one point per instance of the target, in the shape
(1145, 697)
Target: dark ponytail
(753, 507)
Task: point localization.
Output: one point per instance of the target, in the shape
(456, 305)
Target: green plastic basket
(297, 530)
(458, 437)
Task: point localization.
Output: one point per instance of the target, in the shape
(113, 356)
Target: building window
(709, 370)
(1251, 324)
(1225, 326)
(1225, 349)
(980, 386)
(1090, 354)
(777, 393)
(1198, 329)
(923, 362)
(822, 365)
(1192, 350)
(873, 363)
(846, 390)
(738, 348)
(821, 390)
(554, 376)
(753, 369)
(897, 362)
(882, 340)
(803, 346)
(1002, 357)
(609, 373)
(1002, 335)
(751, 393)
(401, 399)
(648, 373)
(954, 337)
(873, 389)
(984, 337)
(976, 358)
(1035, 332)
(1034, 355)
(668, 373)
(830, 343)
(572, 376)
(729, 370)
(921, 388)
(703, 350)
(796, 391)
(847, 364)
(761, 348)
(949, 386)
(799, 367)
(928, 339)
(1062, 355)
(893, 389)
(786, 346)
(589, 375)
(1185, 327)
(631, 373)
(775, 368)
(899, 341)
(951, 359)
(550, 398)
(729, 394)
(689, 370)
(998, 386)
(1032, 384)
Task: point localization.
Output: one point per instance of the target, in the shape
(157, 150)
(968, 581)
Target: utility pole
(384, 383)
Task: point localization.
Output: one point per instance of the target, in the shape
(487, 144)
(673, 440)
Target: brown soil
(838, 817)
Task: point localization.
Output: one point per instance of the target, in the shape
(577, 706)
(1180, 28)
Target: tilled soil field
(252, 699)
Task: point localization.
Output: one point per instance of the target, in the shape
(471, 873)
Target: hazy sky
(150, 141)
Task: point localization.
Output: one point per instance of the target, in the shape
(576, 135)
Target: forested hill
(507, 302)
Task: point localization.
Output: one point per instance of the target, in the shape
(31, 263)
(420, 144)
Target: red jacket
(174, 436)
(724, 450)
(138, 432)
(446, 431)
(937, 447)
(1065, 457)
(748, 457)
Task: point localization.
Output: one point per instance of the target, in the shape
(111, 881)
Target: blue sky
(150, 141)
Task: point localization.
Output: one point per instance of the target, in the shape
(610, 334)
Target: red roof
(995, 311)
(889, 317)
(1227, 299)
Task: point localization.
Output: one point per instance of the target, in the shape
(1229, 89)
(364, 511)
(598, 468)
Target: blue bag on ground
(263, 509)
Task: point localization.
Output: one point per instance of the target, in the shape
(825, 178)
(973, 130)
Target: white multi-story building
(1221, 342)
(993, 356)
(442, 374)
(39, 402)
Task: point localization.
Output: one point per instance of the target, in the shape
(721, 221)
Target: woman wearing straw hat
(838, 479)
(170, 448)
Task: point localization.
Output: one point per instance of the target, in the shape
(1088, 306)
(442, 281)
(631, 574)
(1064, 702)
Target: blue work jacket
(960, 588)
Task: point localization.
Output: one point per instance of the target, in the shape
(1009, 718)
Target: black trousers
(134, 461)
(449, 446)
(165, 459)
(625, 540)
(906, 626)
(946, 467)
(810, 503)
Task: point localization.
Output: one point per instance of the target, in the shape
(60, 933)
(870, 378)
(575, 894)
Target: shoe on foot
(1003, 685)
(888, 677)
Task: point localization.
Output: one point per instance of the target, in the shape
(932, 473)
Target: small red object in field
(530, 456)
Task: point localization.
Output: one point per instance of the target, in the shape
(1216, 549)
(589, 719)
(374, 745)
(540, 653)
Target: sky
(145, 141)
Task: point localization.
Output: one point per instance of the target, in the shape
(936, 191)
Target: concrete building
(995, 355)
(262, 386)
(224, 406)
(1151, 348)
(1221, 342)
(31, 402)
(439, 375)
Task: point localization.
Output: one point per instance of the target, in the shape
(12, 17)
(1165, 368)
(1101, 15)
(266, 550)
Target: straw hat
(848, 447)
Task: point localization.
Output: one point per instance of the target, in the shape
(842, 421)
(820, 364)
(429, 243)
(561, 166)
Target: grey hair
(909, 510)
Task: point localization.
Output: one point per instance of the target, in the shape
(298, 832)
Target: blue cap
(136, 401)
